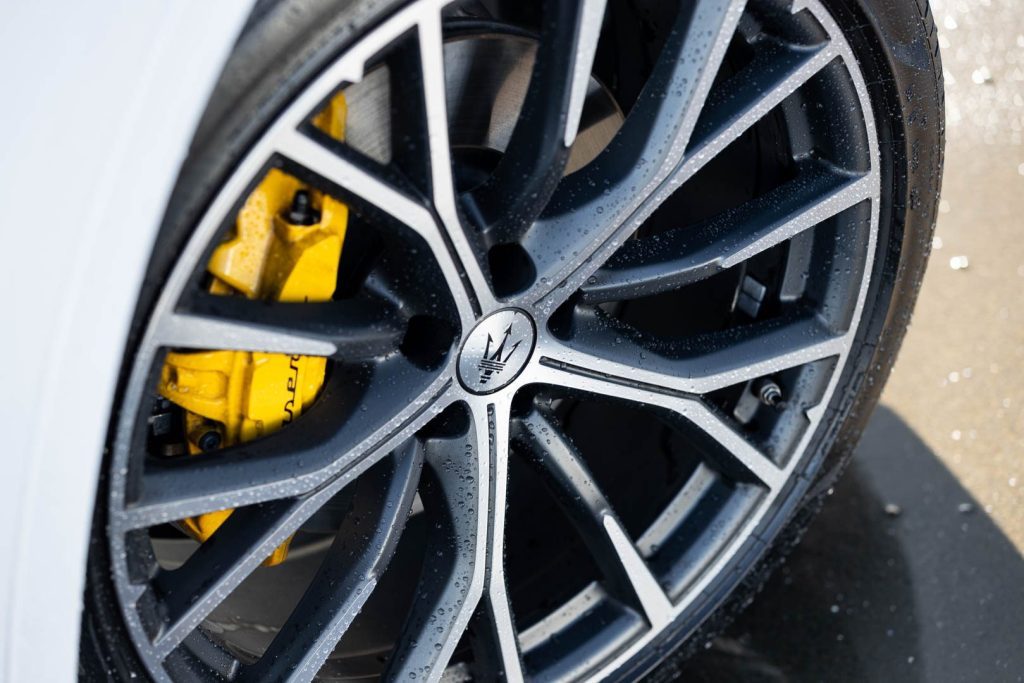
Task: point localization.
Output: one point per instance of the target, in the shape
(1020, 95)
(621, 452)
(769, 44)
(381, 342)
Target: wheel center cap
(496, 351)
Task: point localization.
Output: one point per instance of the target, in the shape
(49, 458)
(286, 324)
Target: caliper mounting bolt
(302, 211)
(209, 441)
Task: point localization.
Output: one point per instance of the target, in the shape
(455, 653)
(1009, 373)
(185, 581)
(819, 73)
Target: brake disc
(487, 75)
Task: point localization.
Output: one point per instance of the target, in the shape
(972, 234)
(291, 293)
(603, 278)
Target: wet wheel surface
(507, 340)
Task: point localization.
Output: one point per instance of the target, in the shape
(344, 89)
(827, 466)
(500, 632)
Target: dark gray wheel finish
(591, 242)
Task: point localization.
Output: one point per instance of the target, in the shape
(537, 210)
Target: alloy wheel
(516, 312)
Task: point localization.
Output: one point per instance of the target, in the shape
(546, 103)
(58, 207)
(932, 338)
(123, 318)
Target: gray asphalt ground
(914, 570)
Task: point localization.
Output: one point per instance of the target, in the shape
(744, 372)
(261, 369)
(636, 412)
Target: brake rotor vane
(286, 246)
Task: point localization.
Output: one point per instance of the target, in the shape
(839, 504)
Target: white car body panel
(100, 102)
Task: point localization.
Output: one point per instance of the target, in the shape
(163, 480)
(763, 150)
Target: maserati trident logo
(493, 363)
(496, 351)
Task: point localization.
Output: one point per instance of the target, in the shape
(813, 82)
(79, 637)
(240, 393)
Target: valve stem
(769, 393)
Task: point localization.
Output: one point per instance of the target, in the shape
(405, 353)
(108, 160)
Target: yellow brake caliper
(286, 247)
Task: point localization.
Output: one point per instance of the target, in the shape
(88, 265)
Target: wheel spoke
(709, 362)
(442, 183)
(590, 18)
(648, 266)
(537, 152)
(359, 328)
(335, 167)
(294, 461)
(219, 565)
(341, 587)
(735, 444)
(196, 331)
(578, 494)
(192, 591)
(614, 191)
(455, 494)
(689, 408)
(500, 625)
(775, 74)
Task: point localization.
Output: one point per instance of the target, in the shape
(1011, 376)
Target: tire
(287, 43)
